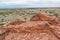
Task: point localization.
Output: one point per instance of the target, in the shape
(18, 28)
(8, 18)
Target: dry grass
(25, 14)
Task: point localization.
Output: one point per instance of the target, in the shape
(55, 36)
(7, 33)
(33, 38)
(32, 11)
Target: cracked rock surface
(39, 27)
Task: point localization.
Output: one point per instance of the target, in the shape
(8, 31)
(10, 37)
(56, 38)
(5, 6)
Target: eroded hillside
(39, 27)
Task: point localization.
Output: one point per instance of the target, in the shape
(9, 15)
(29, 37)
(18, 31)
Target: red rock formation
(40, 27)
(45, 17)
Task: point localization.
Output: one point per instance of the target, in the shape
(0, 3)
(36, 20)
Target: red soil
(40, 27)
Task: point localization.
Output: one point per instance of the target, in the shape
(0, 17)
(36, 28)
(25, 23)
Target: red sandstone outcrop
(40, 27)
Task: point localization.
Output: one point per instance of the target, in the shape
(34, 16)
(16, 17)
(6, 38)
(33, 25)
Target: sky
(29, 3)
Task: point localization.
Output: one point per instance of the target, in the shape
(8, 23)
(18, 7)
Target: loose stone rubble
(39, 27)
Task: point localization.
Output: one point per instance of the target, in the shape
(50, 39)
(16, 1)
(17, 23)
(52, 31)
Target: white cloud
(17, 1)
(21, 1)
(13, 2)
(31, 2)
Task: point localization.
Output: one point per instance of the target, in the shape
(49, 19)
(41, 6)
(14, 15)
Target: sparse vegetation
(7, 14)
